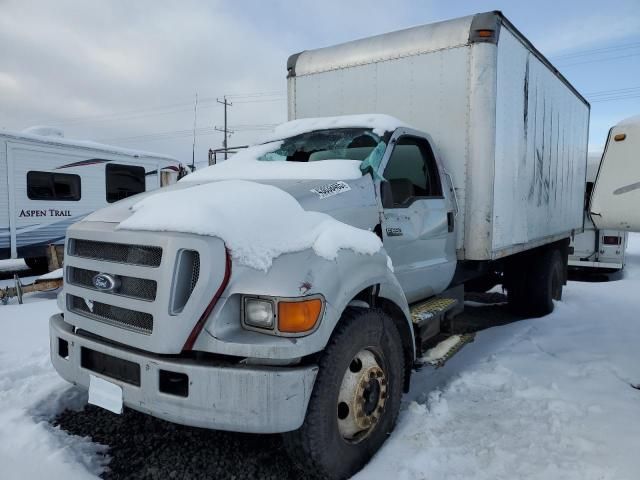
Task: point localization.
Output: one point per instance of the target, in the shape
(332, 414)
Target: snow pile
(440, 350)
(44, 131)
(245, 165)
(378, 122)
(53, 275)
(31, 393)
(256, 222)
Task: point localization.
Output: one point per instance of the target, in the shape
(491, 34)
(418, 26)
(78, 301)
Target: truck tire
(37, 264)
(534, 282)
(356, 397)
(545, 282)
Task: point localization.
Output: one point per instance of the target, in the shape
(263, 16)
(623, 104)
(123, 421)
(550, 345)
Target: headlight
(283, 316)
(259, 313)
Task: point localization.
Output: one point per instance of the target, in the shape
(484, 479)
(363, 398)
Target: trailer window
(122, 181)
(53, 186)
(412, 171)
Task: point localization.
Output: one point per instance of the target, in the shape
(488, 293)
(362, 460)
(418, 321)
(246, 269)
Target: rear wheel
(534, 281)
(356, 397)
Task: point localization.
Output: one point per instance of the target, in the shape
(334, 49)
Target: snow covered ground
(549, 398)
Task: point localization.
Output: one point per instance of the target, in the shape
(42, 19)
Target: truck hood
(350, 201)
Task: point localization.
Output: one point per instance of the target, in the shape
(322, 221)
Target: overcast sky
(127, 73)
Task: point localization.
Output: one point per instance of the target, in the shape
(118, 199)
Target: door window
(412, 172)
(53, 186)
(122, 181)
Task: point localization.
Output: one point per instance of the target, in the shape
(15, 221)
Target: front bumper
(254, 399)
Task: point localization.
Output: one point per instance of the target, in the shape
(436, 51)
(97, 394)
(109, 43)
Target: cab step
(444, 350)
(434, 307)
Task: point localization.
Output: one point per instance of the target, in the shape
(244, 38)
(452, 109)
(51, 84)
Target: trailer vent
(140, 288)
(116, 252)
(140, 322)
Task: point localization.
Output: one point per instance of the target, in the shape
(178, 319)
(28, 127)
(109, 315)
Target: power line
(165, 109)
(596, 51)
(593, 60)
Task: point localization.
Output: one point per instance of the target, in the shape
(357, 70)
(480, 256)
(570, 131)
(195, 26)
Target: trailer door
(616, 194)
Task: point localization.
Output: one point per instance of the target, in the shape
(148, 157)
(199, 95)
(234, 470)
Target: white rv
(48, 182)
(595, 249)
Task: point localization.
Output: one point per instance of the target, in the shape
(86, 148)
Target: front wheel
(356, 397)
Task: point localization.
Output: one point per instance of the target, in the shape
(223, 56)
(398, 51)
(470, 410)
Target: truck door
(616, 194)
(417, 224)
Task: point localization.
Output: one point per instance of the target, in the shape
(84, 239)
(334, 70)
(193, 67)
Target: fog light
(258, 313)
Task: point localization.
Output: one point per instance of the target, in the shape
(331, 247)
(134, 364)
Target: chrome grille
(141, 288)
(116, 252)
(141, 322)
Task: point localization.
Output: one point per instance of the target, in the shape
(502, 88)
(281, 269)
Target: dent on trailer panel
(540, 155)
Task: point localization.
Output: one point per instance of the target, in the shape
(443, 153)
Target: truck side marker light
(191, 340)
(298, 317)
(620, 137)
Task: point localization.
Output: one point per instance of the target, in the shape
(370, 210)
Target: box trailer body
(508, 128)
(601, 250)
(48, 182)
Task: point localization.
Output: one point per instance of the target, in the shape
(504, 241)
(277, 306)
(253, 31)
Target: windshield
(334, 144)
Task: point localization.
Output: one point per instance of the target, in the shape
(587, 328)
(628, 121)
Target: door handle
(450, 221)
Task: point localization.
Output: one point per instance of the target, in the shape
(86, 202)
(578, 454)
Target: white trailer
(48, 182)
(508, 127)
(595, 249)
(616, 193)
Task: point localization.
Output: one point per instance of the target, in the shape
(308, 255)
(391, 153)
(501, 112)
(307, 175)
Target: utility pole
(195, 120)
(225, 130)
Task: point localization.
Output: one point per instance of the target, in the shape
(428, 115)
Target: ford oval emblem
(105, 282)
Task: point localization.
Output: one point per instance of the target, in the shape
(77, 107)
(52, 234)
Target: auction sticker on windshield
(331, 189)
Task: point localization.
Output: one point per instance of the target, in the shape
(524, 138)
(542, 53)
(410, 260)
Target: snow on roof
(245, 165)
(257, 222)
(57, 140)
(628, 122)
(378, 122)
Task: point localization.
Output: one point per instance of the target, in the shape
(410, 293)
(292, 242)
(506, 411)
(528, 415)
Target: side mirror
(386, 194)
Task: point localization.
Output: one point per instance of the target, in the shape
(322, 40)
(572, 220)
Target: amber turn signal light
(298, 317)
(485, 33)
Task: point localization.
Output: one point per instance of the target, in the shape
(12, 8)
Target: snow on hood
(257, 222)
(246, 166)
(378, 122)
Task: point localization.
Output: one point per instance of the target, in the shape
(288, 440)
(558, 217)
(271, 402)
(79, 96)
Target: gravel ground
(145, 447)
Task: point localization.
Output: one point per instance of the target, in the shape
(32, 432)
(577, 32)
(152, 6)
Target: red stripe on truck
(188, 345)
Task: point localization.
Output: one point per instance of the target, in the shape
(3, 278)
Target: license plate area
(110, 366)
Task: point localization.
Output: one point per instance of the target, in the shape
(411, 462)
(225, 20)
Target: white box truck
(360, 234)
(48, 182)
